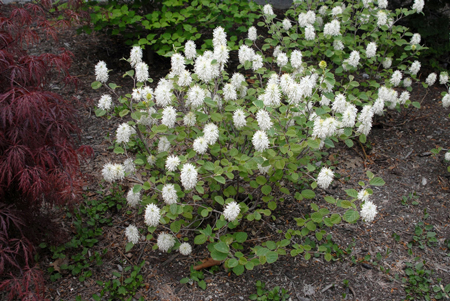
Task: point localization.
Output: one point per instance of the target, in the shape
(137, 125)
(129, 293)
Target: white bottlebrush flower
(219, 37)
(431, 79)
(368, 211)
(101, 72)
(353, 60)
(415, 40)
(112, 172)
(147, 93)
(276, 51)
(286, 82)
(446, 101)
(169, 194)
(169, 117)
(221, 54)
(189, 119)
(310, 33)
(325, 177)
(236, 80)
(188, 176)
(381, 18)
(152, 215)
(200, 145)
(229, 92)
(336, 11)
(404, 97)
(263, 119)
(287, 24)
(366, 3)
(387, 63)
(272, 95)
(415, 67)
(296, 59)
(204, 69)
(267, 10)
(189, 50)
(382, 3)
(418, 5)
(177, 61)
(211, 133)
(338, 45)
(363, 195)
(282, 59)
(105, 102)
(443, 78)
(371, 50)
(245, 54)
(319, 21)
(151, 160)
(135, 56)
(172, 162)
(231, 211)
(129, 166)
(447, 155)
(366, 114)
(324, 127)
(163, 144)
(323, 10)
(184, 79)
(364, 19)
(163, 93)
(124, 132)
(396, 78)
(407, 82)
(142, 72)
(239, 119)
(339, 104)
(260, 141)
(349, 116)
(257, 62)
(185, 249)
(324, 101)
(196, 96)
(137, 94)
(132, 234)
(165, 241)
(133, 199)
(252, 35)
(378, 106)
(332, 29)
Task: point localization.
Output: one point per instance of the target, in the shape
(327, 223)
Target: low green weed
(196, 276)
(275, 294)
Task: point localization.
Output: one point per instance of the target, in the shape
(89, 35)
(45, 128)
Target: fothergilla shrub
(39, 163)
(218, 152)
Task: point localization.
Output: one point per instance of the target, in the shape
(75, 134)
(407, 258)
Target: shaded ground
(399, 154)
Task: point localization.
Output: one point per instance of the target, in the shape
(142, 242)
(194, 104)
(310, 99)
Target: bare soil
(400, 144)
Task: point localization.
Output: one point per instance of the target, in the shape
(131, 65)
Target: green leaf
(220, 179)
(95, 85)
(124, 113)
(261, 180)
(137, 188)
(316, 217)
(216, 117)
(377, 181)
(328, 257)
(308, 194)
(349, 142)
(362, 138)
(272, 257)
(352, 193)
(118, 150)
(202, 284)
(216, 255)
(330, 199)
(314, 143)
(100, 112)
(200, 239)
(351, 216)
(128, 247)
(222, 247)
(311, 226)
(241, 237)
(238, 270)
(200, 189)
(416, 104)
(219, 200)
(266, 189)
(335, 218)
(232, 263)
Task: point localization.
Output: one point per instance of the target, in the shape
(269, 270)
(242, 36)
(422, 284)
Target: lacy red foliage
(39, 160)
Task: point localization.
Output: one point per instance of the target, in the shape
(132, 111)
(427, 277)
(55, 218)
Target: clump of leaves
(275, 294)
(38, 156)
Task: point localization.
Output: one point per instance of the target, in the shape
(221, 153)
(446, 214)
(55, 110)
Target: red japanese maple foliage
(39, 161)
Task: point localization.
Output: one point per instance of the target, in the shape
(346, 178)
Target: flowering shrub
(38, 156)
(219, 151)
